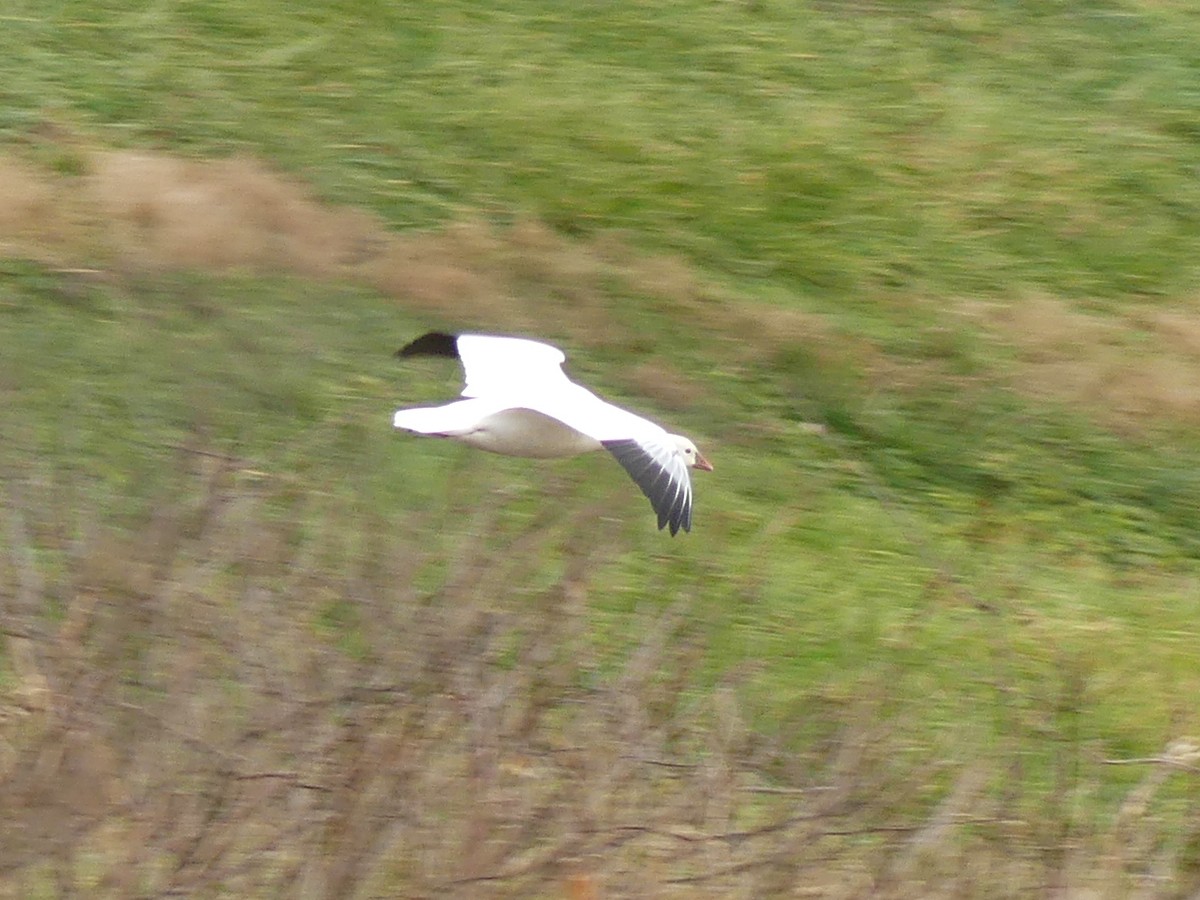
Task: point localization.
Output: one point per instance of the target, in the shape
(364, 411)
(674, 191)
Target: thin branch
(292, 777)
(752, 864)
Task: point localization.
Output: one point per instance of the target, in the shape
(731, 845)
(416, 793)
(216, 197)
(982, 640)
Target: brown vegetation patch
(665, 384)
(24, 199)
(1129, 370)
(132, 211)
(165, 211)
(439, 273)
(143, 210)
(35, 212)
(138, 210)
(205, 731)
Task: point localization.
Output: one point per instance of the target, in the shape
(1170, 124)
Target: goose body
(519, 402)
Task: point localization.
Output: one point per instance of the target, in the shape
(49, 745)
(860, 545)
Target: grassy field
(922, 280)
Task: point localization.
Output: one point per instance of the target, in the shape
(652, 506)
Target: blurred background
(921, 279)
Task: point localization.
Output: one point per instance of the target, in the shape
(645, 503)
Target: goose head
(693, 457)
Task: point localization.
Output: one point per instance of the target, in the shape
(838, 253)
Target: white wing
(496, 366)
(645, 450)
(503, 365)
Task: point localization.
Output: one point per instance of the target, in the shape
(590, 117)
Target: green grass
(876, 169)
(946, 148)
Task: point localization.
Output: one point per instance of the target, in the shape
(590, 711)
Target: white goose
(520, 403)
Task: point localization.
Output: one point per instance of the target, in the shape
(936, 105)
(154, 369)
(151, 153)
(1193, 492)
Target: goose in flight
(520, 403)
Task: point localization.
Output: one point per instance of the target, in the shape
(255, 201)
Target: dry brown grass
(133, 211)
(25, 200)
(217, 705)
(178, 213)
(1130, 370)
(37, 215)
(141, 210)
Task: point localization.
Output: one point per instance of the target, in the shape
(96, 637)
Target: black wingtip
(435, 343)
(671, 504)
(678, 525)
(681, 523)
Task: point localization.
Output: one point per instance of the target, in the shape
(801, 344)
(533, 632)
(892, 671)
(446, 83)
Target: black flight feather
(435, 343)
(669, 500)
